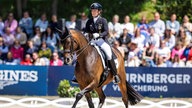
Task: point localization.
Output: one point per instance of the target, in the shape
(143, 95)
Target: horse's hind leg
(123, 88)
(101, 96)
(89, 100)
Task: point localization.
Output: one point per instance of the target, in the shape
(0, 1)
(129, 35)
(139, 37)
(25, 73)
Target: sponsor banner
(56, 74)
(23, 80)
(157, 82)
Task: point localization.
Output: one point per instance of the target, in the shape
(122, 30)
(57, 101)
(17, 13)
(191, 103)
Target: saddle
(106, 67)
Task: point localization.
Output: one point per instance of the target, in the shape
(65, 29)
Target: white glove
(95, 35)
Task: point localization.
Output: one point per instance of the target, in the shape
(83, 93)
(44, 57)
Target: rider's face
(95, 12)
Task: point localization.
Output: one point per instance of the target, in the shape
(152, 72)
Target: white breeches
(104, 46)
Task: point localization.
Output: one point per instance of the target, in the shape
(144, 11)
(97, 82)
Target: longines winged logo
(7, 83)
(11, 77)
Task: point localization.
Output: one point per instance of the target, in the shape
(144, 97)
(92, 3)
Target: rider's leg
(108, 51)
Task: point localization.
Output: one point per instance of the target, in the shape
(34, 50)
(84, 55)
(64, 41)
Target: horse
(89, 69)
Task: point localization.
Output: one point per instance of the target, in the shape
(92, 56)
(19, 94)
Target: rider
(98, 27)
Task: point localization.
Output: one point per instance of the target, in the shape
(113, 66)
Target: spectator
(31, 48)
(72, 23)
(11, 23)
(44, 51)
(153, 38)
(189, 56)
(3, 49)
(8, 37)
(17, 51)
(1, 26)
(132, 48)
(81, 23)
(186, 52)
(169, 38)
(128, 25)
(187, 26)
(144, 63)
(55, 61)
(21, 36)
(173, 24)
(115, 27)
(177, 50)
(26, 24)
(160, 62)
(133, 60)
(163, 51)
(182, 37)
(53, 23)
(139, 39)
(117, 46)
(27, 60)
(50, 38)
(148, 54)
(189, 63)
(176, 62)
(42, 23)
(10, 60)
(124, 39)
(143, 26)
(158, 25)
(37, 38)
(37, 61)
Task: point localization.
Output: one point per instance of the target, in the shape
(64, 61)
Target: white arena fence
(67, 103)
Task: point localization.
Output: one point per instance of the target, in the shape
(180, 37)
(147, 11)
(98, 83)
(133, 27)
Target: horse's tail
(133, 96)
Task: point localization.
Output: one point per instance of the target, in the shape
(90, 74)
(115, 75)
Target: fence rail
(67, 103)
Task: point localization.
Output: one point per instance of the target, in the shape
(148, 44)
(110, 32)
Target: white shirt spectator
(42, 24)
(133, 60)
(171, 42)
(159, 27)
(189, 64)
(129, 26)
(163, 51)
(140, 41)
(70, 25)
(115, 28)
(178, 64)
(36, 40)
(154, 39)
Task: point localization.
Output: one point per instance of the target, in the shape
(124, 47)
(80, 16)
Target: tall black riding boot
(114, 71)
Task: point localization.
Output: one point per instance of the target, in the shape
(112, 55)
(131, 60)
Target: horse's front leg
(87, 89)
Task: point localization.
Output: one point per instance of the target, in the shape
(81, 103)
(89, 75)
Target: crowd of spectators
(155, 44)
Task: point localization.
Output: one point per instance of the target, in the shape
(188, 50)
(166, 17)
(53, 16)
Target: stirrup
(116, 79)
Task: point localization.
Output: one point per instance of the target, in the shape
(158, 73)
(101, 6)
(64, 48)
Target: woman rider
(98, 27)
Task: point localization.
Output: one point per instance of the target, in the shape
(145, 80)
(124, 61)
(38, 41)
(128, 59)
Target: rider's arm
(105, 28)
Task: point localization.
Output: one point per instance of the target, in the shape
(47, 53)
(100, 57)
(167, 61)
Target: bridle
(71, 50)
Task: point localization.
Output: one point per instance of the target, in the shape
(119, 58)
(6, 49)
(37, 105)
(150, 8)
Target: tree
(54, 7)
(19, 8)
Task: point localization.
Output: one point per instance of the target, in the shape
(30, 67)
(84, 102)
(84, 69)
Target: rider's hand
(95, 35)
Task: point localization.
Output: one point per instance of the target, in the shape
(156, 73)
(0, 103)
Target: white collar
(95, 18)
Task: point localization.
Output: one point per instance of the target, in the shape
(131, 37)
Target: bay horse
(89, 68)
